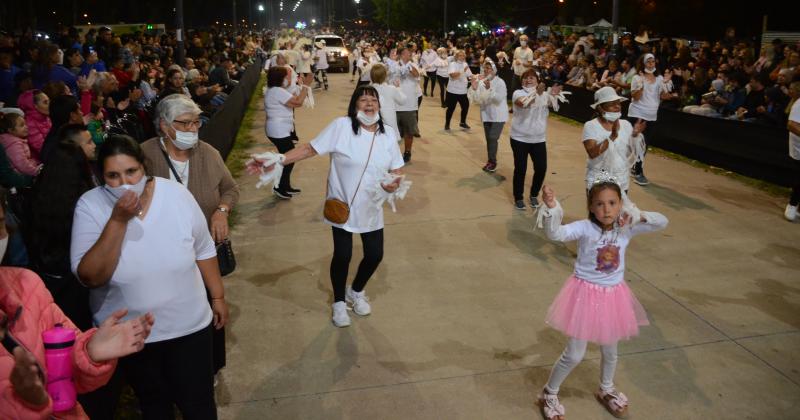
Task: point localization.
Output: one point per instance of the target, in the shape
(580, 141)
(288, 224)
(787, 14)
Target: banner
(751, 149)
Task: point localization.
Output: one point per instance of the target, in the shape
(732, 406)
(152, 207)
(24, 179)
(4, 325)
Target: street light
(260, 7)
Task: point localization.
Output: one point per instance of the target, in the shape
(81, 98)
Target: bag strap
(169, 163)
(365, 167)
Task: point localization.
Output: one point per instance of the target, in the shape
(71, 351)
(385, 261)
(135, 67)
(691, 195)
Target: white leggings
(573, 355)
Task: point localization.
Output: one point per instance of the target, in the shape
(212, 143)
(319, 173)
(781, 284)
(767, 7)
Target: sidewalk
(457, 329)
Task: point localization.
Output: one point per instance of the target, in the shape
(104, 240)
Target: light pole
(260, 13)
(444, 25)
(180, 53)
(615, 20)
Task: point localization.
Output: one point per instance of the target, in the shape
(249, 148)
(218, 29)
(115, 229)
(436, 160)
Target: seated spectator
(64, 110)
(74, 61)
(8, 73)
(92, 62)
(754, 101)
(13, 137)
(48, 69)
(36, 106)
(175, 84)
(220, 75)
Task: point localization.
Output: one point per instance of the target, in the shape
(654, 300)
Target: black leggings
(343, 252)
(284, 145)
(452, 99)
(538, 154)
(432, 77)
(176, 371)
(443, 87)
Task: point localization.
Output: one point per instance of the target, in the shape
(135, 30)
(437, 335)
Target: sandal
(615, 402)
(551, 407)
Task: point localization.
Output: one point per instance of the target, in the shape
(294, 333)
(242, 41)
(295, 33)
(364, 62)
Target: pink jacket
(19, 154)
(38, 124)
(31, 311)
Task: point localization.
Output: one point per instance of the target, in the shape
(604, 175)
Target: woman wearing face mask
(489, 92)
(460, 75)
(648, 89)
(363, 151)
(442, 66)
(529, 134)
(143, 243)
(279, 103)
(610, 141)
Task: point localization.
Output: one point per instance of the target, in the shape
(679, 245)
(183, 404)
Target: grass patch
(767, 187)
(239, 153)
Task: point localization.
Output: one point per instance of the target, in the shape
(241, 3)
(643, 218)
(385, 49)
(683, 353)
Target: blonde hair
(378, 74)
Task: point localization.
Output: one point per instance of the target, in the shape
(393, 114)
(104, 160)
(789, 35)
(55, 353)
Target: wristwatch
(223, 209)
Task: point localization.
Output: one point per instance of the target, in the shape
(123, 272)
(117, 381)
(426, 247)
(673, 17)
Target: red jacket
(38, 124)
(31, 311)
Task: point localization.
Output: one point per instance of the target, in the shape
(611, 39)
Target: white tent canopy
(602, 23)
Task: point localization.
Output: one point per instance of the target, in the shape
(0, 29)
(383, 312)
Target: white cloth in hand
(378, 195)
(268, 159)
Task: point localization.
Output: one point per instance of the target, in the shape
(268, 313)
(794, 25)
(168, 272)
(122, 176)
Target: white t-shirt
(280, 120)
(496, 108)
(304, 62)
(349, 154)
(409, 84)
(525, 56)
(442, 66)
(365, 67)
(390, 97)
(617, 159)
(322, 63)
(458, 86)
(529, 125)
(646, 108)
(601, 255)
(157, 270)
(794, 139)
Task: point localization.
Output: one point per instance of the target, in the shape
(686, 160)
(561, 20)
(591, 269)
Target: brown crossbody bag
(337, 211)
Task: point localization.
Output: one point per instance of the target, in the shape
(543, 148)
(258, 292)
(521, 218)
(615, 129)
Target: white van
(338, 55)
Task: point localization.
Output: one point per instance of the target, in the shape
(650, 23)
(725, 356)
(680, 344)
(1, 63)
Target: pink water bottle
(58, 343)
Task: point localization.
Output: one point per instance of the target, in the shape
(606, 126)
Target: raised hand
(639, 128)
(614, 130)
(115, 339)
(548, 196)
(26, 380)
(127, 207)
(556, 89)
(540, 88)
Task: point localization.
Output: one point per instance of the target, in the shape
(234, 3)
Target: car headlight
(344, 53)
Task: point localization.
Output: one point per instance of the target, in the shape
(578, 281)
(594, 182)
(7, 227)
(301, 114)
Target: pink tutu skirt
(600, 314)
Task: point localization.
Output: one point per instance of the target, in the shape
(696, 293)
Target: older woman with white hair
(489, 92)
(460, 75)
(178, 154)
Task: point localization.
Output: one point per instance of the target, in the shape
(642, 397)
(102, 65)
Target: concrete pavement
(457, 329)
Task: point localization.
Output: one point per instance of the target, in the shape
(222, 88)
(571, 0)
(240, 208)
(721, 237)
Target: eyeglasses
(187, 125)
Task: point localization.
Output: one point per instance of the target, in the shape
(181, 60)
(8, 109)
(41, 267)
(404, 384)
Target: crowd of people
(117, 207)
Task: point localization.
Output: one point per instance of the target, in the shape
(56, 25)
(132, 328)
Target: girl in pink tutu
(595, 304)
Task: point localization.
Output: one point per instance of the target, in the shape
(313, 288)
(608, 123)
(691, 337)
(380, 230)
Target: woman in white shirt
(363, 154)
(279, 104)
(489, 92)
(611, 143)
(304, 62)
(459, 74)
(143, 244)
(442, 66)
(647, 91)
(529, 135)
(427, 62)
(391, 96)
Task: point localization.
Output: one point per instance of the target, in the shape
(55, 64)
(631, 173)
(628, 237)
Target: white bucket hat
(606, 94)
(320, 44)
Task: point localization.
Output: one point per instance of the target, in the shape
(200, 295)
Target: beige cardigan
(210, 182)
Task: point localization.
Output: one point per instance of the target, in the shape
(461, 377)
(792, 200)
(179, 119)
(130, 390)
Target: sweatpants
(492, 131)
(284, 145)
(451, 101)
(372, 243)
(573, 355)
(538, 154)
(431, 75)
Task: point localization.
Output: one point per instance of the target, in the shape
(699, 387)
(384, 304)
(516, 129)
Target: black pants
(538, 154)
(431, 75)
(177, 371)
(342, 253)
(419, 104)
(795, 198)
(638, 167)
(443, 87)
(284, 145)
(452, 100)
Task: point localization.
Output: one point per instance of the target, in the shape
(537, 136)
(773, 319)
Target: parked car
(338, 55)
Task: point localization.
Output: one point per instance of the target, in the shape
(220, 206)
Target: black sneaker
(519, 205)
(447, 128)
(293, 191)
(282, 194)
(534, 203)
(444, 106)
(464, 126)
(417, 135)
(406, 157)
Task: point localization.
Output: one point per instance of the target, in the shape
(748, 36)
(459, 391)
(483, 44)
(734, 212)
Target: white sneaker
(340, 317)
(359, 300)
(791, 213)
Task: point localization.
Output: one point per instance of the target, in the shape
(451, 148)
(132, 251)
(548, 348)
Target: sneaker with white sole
(340, 317)
(640, 179)
(359, 301)
(791, 213)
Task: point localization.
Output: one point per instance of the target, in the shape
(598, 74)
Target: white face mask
(3, 246)
(523, 43)
(366, 119)
(138, 188)
(651, 71)
(528, 89)
(612, 116)
(185, 140)
(285, 83)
